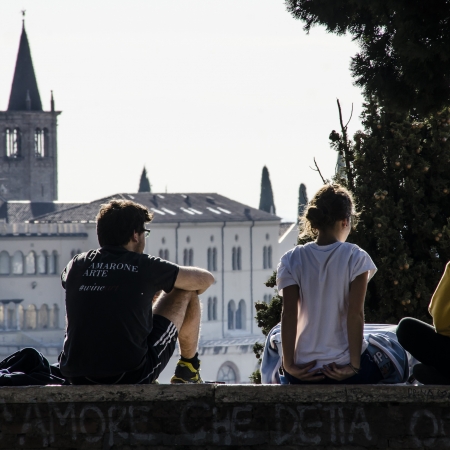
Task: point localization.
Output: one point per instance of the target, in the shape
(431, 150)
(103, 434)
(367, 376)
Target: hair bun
(316, 216)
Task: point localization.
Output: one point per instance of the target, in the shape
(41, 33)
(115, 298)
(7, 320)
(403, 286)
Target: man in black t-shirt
(113, 332)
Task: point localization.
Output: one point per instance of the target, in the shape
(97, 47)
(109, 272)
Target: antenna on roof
(23, 11)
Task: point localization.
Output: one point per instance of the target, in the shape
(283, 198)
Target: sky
(203, 93)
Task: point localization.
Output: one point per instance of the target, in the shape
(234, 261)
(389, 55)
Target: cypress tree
(266, 202)
(302, 199)
(144, 183)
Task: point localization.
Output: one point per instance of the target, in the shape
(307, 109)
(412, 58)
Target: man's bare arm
(194, 279)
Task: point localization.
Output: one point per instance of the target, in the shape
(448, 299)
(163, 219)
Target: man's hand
(194, 279)
(338, 372)
(302, 371)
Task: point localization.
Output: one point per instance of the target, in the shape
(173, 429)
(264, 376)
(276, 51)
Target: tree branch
(318, 170)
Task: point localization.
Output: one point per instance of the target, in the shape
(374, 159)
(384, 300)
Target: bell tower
(28, 143)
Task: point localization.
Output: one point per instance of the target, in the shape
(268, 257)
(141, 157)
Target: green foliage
(268, 315)
(266, 202)
(403, 58)
(144, 183)
(399, 165)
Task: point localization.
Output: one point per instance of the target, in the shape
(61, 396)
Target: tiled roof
(23, 211)
(284, 227)
(169, 208)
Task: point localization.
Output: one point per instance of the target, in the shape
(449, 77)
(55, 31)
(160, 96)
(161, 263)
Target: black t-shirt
(109, 294)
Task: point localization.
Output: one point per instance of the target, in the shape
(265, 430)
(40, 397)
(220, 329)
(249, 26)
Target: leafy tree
(400, 178)
(403, 59)
(266, 202)
(144, 183)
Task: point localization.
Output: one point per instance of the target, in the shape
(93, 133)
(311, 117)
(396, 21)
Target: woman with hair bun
(323, 284)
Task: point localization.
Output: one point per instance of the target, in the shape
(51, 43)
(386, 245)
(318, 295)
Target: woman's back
(323, 274)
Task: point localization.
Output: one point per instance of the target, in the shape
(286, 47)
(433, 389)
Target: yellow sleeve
(439, 307)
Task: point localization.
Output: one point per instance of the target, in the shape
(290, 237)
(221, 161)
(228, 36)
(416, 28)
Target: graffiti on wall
(201, 422)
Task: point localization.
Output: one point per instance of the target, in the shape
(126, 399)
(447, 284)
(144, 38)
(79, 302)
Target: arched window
(228, 373)
(161, 253)
(13, 142)
(269, 257)
(11, 321)
(214, 309)
(40, 143)
(231, 313)
(214, 259)
(17, 263)
(191, 257)
(210, 308)
(42, 263)
(234, 259)
(21, 313)
(264, 257)
(44, 316)
(241, 316)
(166, 254)
(8, 142)
(52, 261)
(239, 259)
(4, 263)
(185, 257)
(267, 298)
(54, 317)
(30, 263)
(31, 318)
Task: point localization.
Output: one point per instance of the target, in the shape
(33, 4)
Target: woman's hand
(338, 372)
(302, 371)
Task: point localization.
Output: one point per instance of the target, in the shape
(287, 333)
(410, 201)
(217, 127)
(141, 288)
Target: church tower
(28, 144)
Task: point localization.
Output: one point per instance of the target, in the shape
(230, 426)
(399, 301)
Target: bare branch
(318, 170)
(351, 115)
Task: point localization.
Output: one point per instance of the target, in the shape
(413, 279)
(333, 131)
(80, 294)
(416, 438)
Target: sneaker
(185, 372)
(429, 375)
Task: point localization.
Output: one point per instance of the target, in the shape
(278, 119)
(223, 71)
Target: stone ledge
(221, 416)
(228, 393)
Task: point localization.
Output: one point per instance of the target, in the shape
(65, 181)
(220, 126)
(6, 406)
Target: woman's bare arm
(289, 317)
(355, 329)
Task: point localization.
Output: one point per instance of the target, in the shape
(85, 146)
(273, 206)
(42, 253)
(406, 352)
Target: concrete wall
(219, 416)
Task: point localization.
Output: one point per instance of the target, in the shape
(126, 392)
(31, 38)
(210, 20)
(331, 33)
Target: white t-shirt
(323, 274)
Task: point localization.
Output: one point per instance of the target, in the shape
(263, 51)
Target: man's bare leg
(182, 308)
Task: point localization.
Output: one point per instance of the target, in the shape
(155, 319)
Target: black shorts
(161, 345)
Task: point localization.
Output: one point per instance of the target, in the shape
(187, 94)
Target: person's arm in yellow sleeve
(439, 307)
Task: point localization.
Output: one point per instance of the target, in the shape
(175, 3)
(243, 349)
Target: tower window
(13, 143)
(41, 143)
